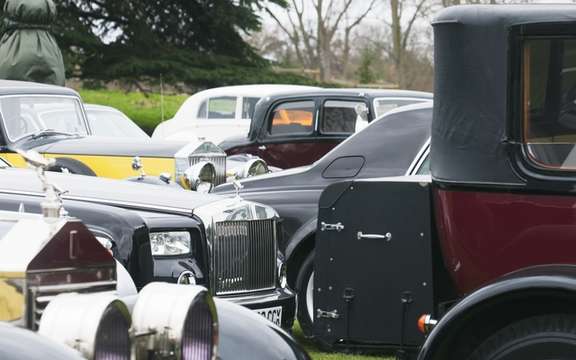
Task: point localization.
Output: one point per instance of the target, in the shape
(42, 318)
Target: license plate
(274, 314)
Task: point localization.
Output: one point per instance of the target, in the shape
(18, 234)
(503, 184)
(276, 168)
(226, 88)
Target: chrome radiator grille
(244, 256)
(219, 161)
(40, 296)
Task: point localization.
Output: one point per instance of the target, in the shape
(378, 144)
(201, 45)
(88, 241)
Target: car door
(301, 131)
(373, 261)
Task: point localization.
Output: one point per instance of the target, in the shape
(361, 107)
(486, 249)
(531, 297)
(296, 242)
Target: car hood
(107, 191)
(91, 145)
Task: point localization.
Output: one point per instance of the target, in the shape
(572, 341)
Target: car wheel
(71, 166)
(546, 337)
(305, 290)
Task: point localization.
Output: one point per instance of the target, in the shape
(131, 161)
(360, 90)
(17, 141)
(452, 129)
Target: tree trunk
(397, 49)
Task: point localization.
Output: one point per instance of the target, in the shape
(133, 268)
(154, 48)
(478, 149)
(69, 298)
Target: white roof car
(219, 113)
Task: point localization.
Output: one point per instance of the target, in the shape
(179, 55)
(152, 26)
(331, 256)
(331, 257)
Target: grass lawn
(145, 110)
(318, 355)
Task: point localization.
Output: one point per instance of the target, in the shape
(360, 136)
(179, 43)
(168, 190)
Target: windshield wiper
(47, 132)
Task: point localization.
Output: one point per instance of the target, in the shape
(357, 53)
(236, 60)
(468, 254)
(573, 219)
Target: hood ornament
(237, 186)
(52, 207)
(137, 166)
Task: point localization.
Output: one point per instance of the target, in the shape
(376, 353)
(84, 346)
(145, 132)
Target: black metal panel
(378, 286)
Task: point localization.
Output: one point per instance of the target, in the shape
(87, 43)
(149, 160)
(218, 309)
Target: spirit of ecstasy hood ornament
(237, 186)
(52, 207)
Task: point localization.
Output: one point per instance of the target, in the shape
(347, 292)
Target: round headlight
(178, 320)
(200, 177)
(97, 325)
(256, 167)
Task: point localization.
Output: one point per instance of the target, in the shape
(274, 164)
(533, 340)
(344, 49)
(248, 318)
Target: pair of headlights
(201, 177)
(168, 321)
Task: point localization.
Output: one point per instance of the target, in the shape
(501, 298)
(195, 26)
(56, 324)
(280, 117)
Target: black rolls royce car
(395, 144)
(167, 234)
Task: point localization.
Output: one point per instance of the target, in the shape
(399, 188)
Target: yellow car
(52, 121)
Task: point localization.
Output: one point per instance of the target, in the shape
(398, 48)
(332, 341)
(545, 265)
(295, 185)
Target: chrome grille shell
(244, 256)
(196, 152)
(242, 243)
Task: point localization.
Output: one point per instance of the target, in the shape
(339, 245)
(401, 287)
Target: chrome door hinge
(327, 314)
(331, 227)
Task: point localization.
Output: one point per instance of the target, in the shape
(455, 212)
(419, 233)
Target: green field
(146, 112)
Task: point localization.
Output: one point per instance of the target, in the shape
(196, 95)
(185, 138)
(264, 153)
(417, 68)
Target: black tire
(545, 337)
(72, 166)
(302, 281)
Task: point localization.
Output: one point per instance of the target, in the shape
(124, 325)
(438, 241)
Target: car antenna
(162, 97)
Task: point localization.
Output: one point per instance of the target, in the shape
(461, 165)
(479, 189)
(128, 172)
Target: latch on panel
(327, 314)
(331, 227)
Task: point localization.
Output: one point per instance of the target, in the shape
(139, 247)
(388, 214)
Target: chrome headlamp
(245, 166)
(198, 152)
(96, 325)
(176, 321)
(168, 243)
(200, 177)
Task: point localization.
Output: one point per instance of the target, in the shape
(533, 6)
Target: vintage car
(58, 280)
(290, 130)
(218, 113)
(396, 144)
(36, 272)
(106, 121)
(52, 120)
(481, 254)
(165, 234)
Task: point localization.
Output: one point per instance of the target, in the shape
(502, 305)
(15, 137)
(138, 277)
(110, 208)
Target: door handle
(262, 147)
(361, 236)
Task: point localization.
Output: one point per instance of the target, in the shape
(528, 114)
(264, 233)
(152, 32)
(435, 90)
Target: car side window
(424, 168)
(248, 107)
(341, 117)
(293, 118)
(548, 93)
(222, 107)
(383, 105)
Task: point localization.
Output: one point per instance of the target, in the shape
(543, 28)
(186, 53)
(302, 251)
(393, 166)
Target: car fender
(536, 282)
(302, 234)
(238, 327)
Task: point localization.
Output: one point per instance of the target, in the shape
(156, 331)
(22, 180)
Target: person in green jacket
(28, 51)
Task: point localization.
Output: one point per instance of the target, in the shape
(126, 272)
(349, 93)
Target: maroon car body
(296, 129)
(487, 245)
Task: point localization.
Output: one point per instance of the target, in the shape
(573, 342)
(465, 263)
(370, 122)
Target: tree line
(195, 41)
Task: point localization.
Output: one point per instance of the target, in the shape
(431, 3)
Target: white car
(219, 113)
(110, 122)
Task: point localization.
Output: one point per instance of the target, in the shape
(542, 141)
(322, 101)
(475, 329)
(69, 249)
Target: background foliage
(196, 42)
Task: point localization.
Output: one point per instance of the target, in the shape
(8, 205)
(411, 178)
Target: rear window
(293, 118)
(549, 102)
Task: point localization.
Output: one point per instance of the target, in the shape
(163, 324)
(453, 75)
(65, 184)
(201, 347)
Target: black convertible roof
(474, 59)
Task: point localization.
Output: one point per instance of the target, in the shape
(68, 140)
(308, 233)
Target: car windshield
(113, 124)
(28, 115)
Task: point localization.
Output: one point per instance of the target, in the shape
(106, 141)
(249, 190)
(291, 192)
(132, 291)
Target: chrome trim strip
(419, 159)
(129, 205)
